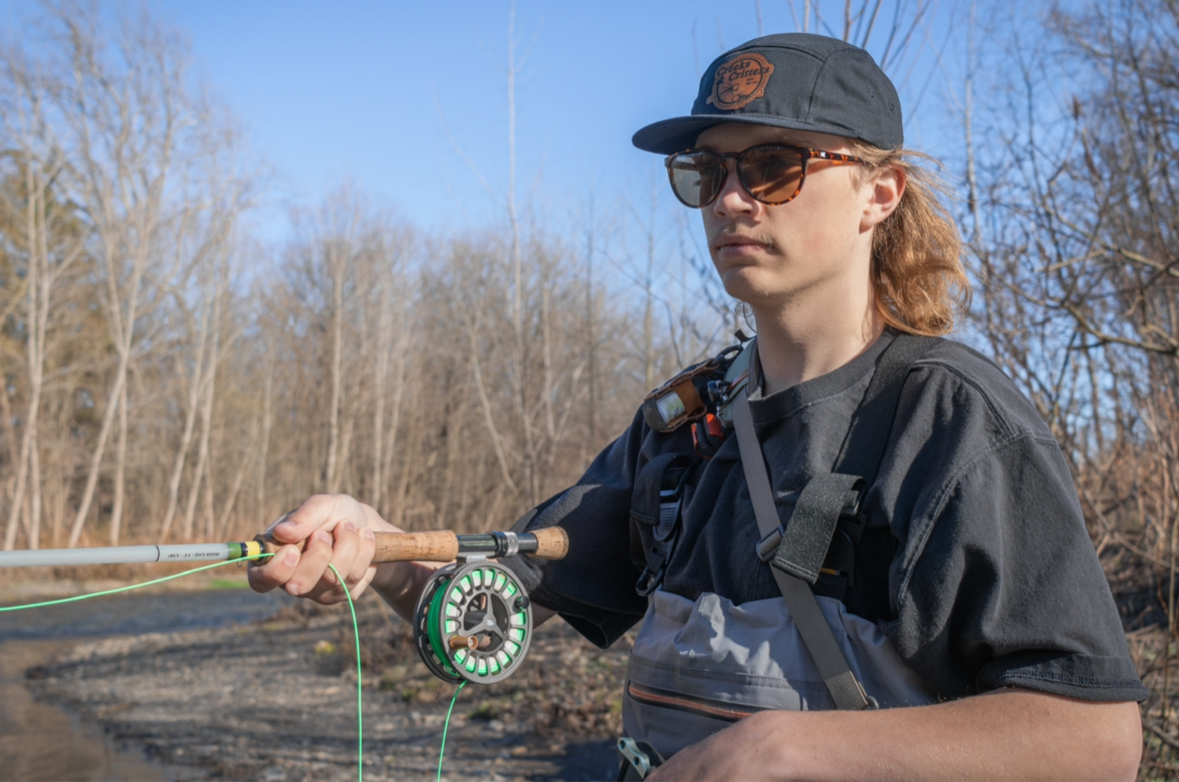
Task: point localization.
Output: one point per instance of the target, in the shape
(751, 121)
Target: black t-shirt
(994, 581)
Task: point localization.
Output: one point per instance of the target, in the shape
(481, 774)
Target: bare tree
(1072, 174)
(126, 113)
(50, 239)
(53, 240)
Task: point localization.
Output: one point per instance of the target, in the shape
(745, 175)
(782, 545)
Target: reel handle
(444, 545)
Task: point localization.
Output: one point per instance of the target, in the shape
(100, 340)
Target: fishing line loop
(351, 608)
(355, 635)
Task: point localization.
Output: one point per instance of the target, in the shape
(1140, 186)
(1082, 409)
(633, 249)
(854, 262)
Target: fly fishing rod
(473, 621)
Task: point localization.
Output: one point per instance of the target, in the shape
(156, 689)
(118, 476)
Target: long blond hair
(917, 273)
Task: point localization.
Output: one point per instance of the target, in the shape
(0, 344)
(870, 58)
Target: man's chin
(740, 286)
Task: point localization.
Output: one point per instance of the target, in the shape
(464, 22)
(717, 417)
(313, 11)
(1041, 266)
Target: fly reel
(473, 622)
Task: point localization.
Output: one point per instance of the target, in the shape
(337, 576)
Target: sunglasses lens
(696, 177)
(771, 175)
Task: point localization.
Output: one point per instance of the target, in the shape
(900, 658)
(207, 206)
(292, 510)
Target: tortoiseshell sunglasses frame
(805, 155)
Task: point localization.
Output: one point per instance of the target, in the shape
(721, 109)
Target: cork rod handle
(551, 543)
(441, 546)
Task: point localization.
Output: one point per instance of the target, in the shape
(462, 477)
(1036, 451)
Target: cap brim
(680, 133)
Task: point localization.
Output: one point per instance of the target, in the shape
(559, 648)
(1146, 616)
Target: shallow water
(135, 613)
(43, 742)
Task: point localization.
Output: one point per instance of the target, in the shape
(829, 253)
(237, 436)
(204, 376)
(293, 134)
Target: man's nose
(733, 197)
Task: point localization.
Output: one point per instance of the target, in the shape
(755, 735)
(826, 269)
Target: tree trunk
(395, 423)
(210, 511)
(190, 415)
(120, 470)
(264, 445)
(331, 478)
(123, 329)
(35, 492)
(202, 467)
(380, 378)
(108, 419)
(34, 225)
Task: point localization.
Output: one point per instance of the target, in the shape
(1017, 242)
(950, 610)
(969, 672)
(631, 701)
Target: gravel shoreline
(276, 700)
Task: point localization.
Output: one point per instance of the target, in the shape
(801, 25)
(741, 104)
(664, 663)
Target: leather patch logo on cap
(740, 81)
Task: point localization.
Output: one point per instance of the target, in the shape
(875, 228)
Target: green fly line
(355, 634)
(76, 598)
(435, 633)
(445, 726)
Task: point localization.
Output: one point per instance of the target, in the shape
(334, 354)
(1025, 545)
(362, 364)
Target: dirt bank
(276, 700)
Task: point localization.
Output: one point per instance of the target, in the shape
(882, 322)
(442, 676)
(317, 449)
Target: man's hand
(335, 529)
(732, 754)
(1008, 734)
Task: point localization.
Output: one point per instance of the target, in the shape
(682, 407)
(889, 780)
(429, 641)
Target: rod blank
(122, 555)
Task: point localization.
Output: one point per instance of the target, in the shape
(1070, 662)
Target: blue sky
(368, 92)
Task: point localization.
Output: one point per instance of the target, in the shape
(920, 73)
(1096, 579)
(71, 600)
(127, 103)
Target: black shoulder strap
(803, 543)
(872, 423)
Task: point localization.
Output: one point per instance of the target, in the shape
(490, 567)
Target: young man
(969, 630)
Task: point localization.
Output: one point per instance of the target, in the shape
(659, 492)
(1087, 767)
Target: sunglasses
(771, 173)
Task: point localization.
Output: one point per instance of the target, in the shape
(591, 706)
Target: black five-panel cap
(796, 81)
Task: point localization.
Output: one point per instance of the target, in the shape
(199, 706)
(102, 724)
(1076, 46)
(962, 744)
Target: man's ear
(885, 189)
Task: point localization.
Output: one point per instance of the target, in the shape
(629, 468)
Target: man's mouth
(737, 242)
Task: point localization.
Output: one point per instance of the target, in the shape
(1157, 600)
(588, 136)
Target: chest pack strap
(802, 544)
(665, 477)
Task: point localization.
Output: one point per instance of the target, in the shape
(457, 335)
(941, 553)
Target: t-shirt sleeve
(999, 578)
(593, 587)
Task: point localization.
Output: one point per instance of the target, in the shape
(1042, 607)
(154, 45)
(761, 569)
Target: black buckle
(653, 580)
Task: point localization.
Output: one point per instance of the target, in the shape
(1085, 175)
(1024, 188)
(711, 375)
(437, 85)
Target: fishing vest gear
(660, 485)
(825, 543)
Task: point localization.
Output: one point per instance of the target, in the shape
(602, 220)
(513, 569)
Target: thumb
(292, 527)
(315, 513)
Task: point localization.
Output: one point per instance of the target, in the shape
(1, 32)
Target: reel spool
(473, 622)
